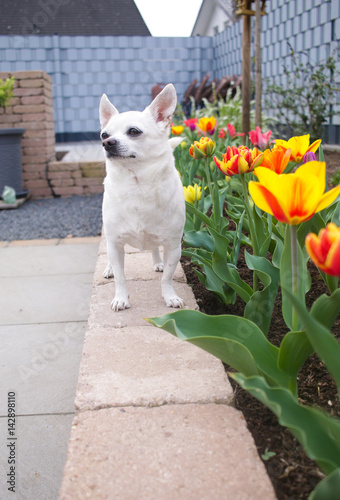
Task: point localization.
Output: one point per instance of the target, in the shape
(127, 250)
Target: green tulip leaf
(277, 253)
(259, 308)
(210, 279)
(194, 211)
(326, 308)
(328, 488)
(199, 239)
(295, 348)
(318, 433)
(233, 339)
(323, 342)
(224, 270)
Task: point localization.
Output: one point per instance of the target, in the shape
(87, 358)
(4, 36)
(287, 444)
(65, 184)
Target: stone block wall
(31, 108)
(76, 178)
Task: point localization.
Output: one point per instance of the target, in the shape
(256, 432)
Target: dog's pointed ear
(163, 106)
(106, 110)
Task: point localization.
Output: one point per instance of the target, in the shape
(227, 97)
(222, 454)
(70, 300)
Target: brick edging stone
(154, 415)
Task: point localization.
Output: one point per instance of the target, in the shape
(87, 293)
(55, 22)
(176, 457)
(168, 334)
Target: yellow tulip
(298, 146)
(293, 198)
(192, 193)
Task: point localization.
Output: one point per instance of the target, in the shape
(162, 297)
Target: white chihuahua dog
(143, 201)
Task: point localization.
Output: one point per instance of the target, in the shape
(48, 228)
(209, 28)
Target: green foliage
(305, 102)
(228, 111)
(224, 222)
(6, 91)
(335, 180)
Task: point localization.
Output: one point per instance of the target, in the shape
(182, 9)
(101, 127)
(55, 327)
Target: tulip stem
(295, 283)
(214, 199)
(251, 226)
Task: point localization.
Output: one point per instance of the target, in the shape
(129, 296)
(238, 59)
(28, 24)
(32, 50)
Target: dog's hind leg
(171, 259)
(116, 258)
(157, 260)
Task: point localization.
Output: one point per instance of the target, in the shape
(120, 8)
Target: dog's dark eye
(134, 131)
(105, 135)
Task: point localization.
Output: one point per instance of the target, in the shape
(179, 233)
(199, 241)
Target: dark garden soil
(292, 473)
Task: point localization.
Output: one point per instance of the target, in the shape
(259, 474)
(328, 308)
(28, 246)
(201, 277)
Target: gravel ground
(76, 216)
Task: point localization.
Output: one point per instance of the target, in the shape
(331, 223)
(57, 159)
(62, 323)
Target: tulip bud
(324, 249)
(202, 149)
(310, 156)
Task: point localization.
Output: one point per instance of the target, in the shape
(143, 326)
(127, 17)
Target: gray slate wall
(126, 68)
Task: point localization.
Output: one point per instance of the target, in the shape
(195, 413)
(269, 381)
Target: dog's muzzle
(114, 148)
(110, 145)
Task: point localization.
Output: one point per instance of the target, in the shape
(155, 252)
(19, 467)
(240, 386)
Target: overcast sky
(169, 17)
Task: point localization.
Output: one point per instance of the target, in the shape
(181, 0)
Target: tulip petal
(314, 250)
(266, 201)
(332, 263)
(313, 147)
(328, 198)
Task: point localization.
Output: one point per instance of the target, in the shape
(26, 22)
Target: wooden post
(258, 61)
(246, 40)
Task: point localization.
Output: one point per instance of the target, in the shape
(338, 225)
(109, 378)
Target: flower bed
(255, 217)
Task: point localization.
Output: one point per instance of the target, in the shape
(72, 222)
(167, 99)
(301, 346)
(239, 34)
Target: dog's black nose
(109, 144)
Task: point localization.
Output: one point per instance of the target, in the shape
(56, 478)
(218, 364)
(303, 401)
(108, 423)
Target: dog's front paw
(174, 301)
(119, 303)
(108, 273)
(158, 267)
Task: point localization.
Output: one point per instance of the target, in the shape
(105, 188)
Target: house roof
(71, 17)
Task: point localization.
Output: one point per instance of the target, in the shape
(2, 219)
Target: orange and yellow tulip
(207, 125)
(239, 160)
(324, 249)
(298, 146)
(203, 148)
(293, 198)
(177, 130)
(276, 159)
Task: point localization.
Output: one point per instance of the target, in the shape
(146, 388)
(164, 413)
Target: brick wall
(31, 108)
(76, 178)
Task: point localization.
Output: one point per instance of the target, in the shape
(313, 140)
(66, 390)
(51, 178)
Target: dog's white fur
(143, 201)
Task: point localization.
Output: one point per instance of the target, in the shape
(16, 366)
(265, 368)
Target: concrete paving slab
(48, 260)
(145, 299)
(46, 289)
(40, 454)
(40, 364)
(144, 366)
(45, 299)
(182, 452)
